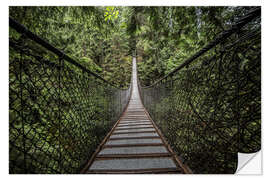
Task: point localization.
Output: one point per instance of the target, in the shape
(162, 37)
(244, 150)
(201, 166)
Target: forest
(102, 38)
(49, 96)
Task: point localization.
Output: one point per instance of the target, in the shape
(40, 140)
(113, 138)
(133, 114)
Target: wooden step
(133, 164)
(134, 141)
(135, 145)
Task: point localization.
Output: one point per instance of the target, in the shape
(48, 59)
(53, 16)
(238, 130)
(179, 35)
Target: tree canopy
(103, 38)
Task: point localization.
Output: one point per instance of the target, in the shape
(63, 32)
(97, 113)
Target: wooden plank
(139, 146)
(144, 137)
(113, 156)
(133, 163)
(134, 132)
(132, 145)
(138, 171)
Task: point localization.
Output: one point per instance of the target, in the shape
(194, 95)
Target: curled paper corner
(249, 163)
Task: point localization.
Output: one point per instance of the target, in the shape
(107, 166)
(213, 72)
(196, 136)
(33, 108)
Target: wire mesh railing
(58, 110)
(209, 108)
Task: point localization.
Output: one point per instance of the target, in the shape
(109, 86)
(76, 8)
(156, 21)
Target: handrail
(22, 29)
(59, 112)
(210, 110)
(222, 36)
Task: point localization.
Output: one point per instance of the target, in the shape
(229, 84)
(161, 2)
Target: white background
(265, 82)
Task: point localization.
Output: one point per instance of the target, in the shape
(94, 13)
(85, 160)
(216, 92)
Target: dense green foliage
(58, 114)
(166, 36)
(103, 38)
(211, 109)
(95, 36)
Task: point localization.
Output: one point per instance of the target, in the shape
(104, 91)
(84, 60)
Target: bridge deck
(135, 144)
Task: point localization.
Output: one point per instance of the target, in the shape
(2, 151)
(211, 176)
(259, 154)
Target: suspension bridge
(135, 145)
(66, 119)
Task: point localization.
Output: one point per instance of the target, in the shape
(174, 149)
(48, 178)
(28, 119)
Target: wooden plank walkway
(135, 144)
